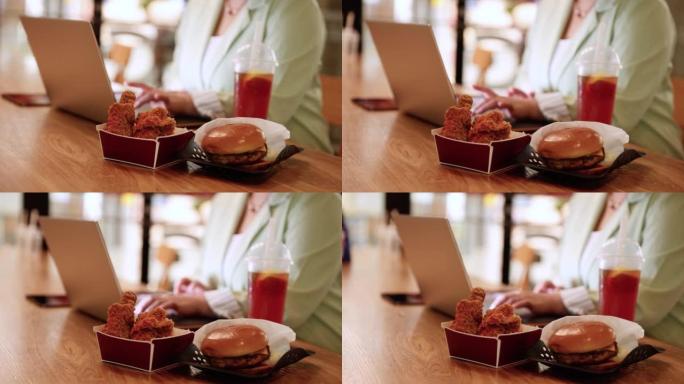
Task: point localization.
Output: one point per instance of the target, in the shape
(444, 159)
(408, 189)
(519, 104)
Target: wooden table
(389, 151)
(57, 345)
(44, 149)
(384, 343)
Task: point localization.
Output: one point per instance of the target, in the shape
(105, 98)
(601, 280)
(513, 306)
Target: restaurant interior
(399, 273)
(481, 43)
(137, 41)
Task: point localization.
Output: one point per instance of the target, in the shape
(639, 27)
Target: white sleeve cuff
(577, 300)
(208, 104)
(552, 106)
(223, 303)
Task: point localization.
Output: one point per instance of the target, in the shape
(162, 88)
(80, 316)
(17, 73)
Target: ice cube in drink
(252, 94)
(596, 98)
(618, 292)
(267, 292)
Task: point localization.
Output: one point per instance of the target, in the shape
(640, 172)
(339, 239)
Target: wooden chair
(482, 59)
(332, 98)
(526, 256)
(331, 87)
(166, 256)
(678, 92)
(120, 54)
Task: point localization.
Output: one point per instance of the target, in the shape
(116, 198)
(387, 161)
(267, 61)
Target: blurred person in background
(642, 33)
(655, 222)
(309, 224)
(200, 80)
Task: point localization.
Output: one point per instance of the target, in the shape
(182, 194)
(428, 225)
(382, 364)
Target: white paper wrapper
(627, 333)
(279, 336)
(275, 133)
(614, 138)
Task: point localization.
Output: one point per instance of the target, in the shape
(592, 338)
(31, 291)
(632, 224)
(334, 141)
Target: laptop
(435, 260)
(414, 69)
(432, 253)
(70, 65)
(73, 71)
(80, 254)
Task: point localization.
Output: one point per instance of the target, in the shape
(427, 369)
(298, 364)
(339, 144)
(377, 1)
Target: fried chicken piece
(127, 97)
(457, 119)
(154, 123)
(500, 320)
(488, 127)
(120, 316)
(465, 101)
(151, 325)
(469, 312)
(120, 119)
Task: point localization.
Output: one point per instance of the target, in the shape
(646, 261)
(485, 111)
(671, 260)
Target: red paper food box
(149, 153)
(496, 156)
(496, 352)
(144, 355)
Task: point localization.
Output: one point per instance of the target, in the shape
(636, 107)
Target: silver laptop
(414, 69)
(432, 253)
(80, 254)
(71, 65)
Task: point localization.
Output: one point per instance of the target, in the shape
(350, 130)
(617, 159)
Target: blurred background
(503, 238)
(137, 41)
(493, 32)
(151, 238)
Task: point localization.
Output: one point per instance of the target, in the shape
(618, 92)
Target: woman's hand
(183, 305)
(177, 102)
(538, 303)
(546, 286)
(187, 286)
(522, 106)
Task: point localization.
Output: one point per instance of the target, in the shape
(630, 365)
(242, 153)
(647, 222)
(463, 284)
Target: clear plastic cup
(254, 73)
(620, 271)
(269, 271)
(598, 69)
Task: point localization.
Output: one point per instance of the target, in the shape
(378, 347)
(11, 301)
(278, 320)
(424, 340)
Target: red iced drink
(596, 98)
(618, 292)
(267, 292)
(252, 94)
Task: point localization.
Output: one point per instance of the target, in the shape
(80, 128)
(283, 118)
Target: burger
(572, 149)
(236, 347)
(583, 343)
(235, 144)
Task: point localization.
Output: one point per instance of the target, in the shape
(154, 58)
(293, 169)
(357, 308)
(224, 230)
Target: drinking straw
(622, 233)
(255, 52)
(601, 40)
(270, 237)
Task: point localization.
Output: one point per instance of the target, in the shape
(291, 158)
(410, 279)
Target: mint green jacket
(294, 29)
(642, 33)
(310, 225)
(655, 222)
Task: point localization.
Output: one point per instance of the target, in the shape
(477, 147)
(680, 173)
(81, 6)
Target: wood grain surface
(385, 343)
(57, 345)
(392, 152)
(44, 149)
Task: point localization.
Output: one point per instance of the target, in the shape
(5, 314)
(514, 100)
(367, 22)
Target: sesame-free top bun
(584, 343)
(236, 346)
(572, 148)
(235, 144)
(570, 143)
(582, 336)
(231, 139)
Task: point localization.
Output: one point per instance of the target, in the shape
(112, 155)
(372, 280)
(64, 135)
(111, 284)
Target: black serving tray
(531, 160)
(195, 154)
(193, 357)
(542, 354)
